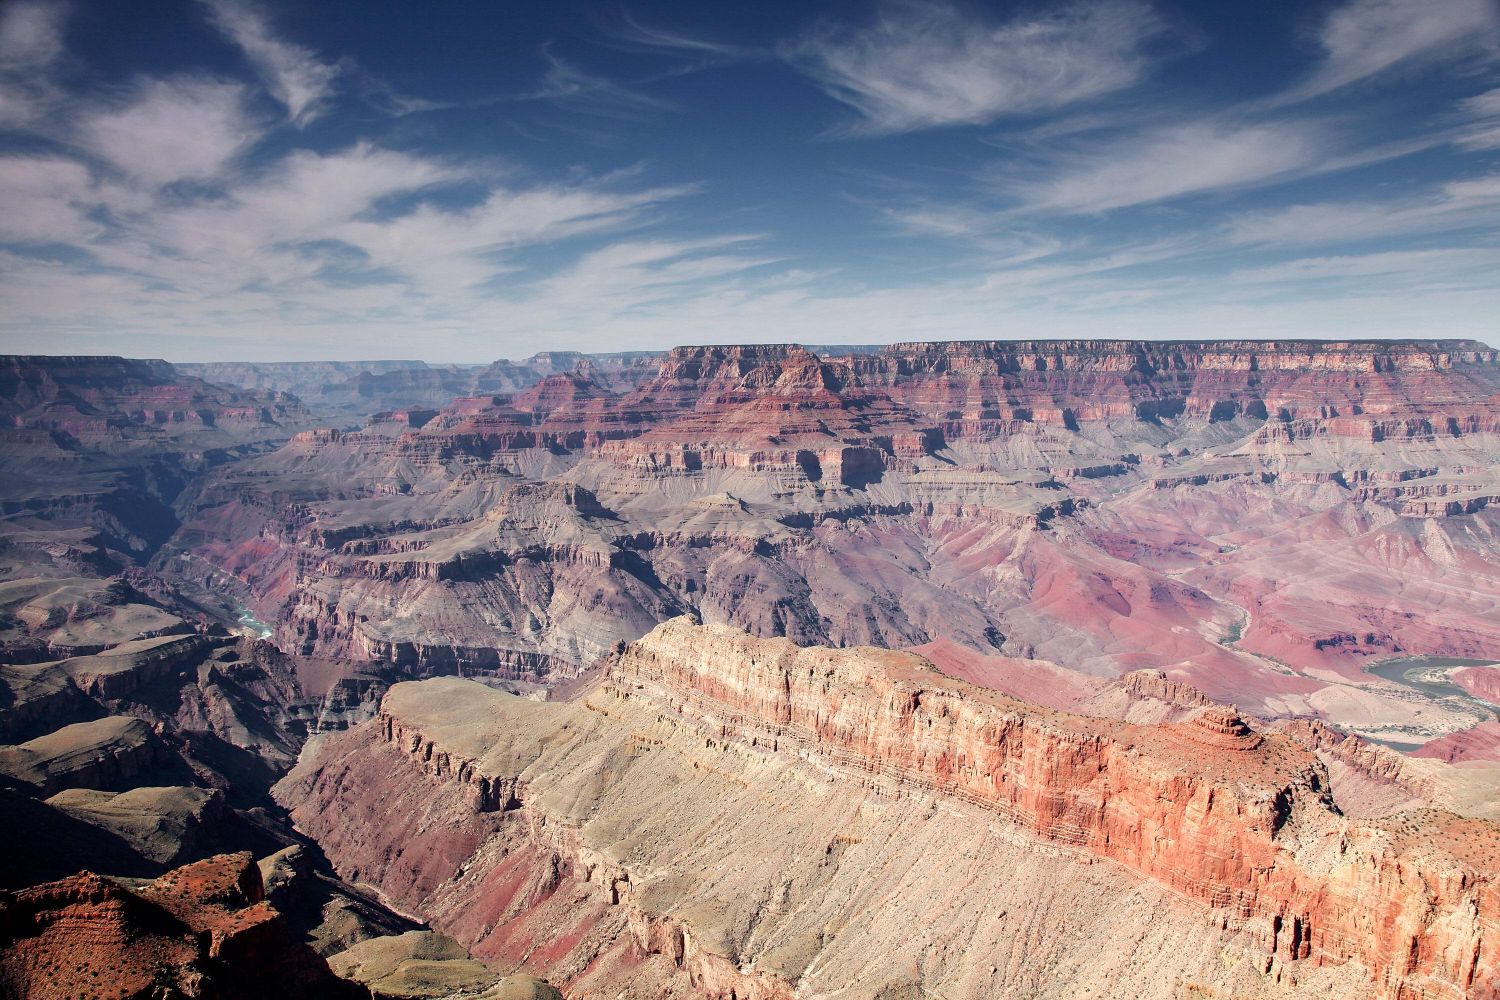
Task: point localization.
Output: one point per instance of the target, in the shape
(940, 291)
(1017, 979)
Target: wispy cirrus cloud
(1481, 114)
(360, 235)
(1366, 38)
(922, 65)
(31, 41)
(185, 128)
(567, 85)
(149, 215)
(624, 31)
(172, 211)
(1452, 207)
(1169, 162)
(1424, 269)
(294, 74)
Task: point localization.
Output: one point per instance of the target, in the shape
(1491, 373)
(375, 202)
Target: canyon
(1000, 668)
(841, 799)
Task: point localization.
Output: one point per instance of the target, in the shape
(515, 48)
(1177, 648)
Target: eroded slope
(732, 814)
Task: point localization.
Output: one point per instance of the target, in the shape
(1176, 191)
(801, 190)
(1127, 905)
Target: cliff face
(201, 931)
(109, 753)
(1210, 808)
(1343, 387)
(98, 448)
(100, 399)
(1107, 506)
(352, 391)
(878, 753)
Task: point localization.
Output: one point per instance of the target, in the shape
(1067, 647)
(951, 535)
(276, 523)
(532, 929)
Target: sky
(458, 182)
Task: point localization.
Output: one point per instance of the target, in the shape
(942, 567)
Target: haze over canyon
(1004, 668)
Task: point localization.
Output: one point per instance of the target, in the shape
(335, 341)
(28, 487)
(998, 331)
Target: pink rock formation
(1253, 518)
(1482, 743)
(1237, 821)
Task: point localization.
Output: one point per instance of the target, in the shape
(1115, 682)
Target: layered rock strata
(201, 931)
(762, 749)
(1105, 506)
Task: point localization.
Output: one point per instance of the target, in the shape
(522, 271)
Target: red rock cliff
(1232, 818)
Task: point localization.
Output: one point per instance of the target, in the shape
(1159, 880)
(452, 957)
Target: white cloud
(448, 252)
(44, 199)
(298, 254)
(566, 84)
(257, 232)
(1482, 112)
(1171, 162)
(1456, 206)
(1428, 270)
(625, 32)
(1368, 37)
(925, 65)
(31, 40)
(656, 292)
(631, 273)
(327, 239)
(30, 34)
(295, 75)
(169, 130)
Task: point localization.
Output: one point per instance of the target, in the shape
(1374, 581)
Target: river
(252, 624)
(1432, 678)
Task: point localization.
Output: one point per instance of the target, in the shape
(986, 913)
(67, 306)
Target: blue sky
(215, 179)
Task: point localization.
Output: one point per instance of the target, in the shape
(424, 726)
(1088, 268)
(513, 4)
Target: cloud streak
(929, 65)
(31, 41)
(1366, 38)
(1454, 207)
(567, 85)
(1482, 128)
(294, 75)
(170, 130)
(1170, 162)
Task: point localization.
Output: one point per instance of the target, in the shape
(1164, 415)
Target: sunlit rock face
(1134, 615)
(839, 799)
(1258, 519)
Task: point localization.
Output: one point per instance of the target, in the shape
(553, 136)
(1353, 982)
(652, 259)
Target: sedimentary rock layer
(201, 931)
(1104, 506)
(744, 811)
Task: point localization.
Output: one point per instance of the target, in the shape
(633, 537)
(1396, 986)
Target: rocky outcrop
(96, 400)
(39, 698)
(983, 385)
(1223, 827)
(167, 825)
(383, 543)
(1481, 682)
(486, 793)
(352, 390)
(110, 753)
(202, 931)
(424, 964)
(301, 378)
(1237, 821)
(120, 671)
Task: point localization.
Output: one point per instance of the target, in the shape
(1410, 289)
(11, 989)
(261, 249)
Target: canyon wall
(1211, 808)
(1106, 506)
(748, 743)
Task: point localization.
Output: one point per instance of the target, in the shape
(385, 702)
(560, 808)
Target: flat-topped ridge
(1233, 818)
